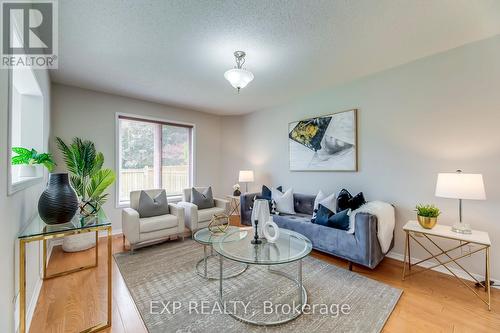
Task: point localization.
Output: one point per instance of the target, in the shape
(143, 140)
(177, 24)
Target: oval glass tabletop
(204, 236)
(290, 246)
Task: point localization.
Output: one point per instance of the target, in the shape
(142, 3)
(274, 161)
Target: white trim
(122, 204)
(440, 269)
(23, 184)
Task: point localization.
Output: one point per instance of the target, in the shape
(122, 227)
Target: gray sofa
(362, 247)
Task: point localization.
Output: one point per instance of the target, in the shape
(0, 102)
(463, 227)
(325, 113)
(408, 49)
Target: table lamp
(246, 176)
(460, 186)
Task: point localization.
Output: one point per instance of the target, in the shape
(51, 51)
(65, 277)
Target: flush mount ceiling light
(239, 77)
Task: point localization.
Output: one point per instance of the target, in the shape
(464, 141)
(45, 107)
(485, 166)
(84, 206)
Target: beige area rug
(171, 297)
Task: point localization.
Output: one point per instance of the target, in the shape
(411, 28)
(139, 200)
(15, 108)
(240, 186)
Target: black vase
(59, 202)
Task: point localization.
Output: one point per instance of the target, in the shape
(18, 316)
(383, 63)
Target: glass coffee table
(207, 239)
(290, 247)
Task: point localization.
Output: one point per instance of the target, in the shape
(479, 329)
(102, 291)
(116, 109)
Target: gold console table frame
(37, 230)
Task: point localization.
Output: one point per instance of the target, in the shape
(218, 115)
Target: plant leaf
(16, 160)
(99, 182)
(69, 156)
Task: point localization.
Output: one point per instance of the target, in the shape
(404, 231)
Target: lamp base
(461, 228)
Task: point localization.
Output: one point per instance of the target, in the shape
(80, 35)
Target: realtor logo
(29, 34)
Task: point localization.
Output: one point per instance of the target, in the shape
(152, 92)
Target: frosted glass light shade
(239, 78)
(246, 176)
(460, 186)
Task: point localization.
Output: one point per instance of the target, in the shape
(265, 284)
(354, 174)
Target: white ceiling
(176, 52)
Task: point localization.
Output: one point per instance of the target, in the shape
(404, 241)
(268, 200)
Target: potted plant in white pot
(28, 159)
(90, 182)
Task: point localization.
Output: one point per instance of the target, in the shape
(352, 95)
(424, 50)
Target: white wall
(437, 114)
(91, 115)
(15, 212)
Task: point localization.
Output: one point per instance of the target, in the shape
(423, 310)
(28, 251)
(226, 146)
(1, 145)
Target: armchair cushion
(202, 199)
(155, 223)
(152, 206)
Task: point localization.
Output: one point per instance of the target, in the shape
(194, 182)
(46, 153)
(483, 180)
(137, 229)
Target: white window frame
(192, 176)
(13, 187)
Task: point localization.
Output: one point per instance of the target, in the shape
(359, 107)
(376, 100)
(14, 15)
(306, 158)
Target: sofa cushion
(339, 220)
(152, 206)
(323, 215)
(357, 201)
(155, 223)
(345, 200)
(284, 201)
(326, 200)
(203, 199)
(207, 214)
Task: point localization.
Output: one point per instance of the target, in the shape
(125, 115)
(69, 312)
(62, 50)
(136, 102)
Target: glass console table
(37, 230)
(290, 247)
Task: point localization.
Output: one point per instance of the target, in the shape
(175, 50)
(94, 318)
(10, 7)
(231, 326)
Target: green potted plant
(90, 181)
(427, 215)
(29, 158)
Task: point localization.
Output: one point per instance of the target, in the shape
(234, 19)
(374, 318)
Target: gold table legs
(444, 263)
(44, 238)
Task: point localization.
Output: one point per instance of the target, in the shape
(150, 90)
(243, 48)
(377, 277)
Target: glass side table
(207, 239)
(37, 230)
(290, 247)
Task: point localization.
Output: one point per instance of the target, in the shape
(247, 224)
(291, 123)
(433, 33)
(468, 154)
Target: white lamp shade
(246, 176)
(459, 185)
(239, 78)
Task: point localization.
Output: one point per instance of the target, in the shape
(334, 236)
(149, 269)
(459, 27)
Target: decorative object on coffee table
(427, 215)
(218, 224)
(256, 239)
(58, 203)
(236, 188)
(271, 237)
(459, 185)
(90, 182)
(324, 143)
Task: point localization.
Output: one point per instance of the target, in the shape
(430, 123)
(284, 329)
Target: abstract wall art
(325, 143)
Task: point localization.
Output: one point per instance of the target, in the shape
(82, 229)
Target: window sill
(24, 184)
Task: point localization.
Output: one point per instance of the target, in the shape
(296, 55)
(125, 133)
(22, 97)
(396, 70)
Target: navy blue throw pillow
(343, 200)
(327, 218)
(340, 220)
(357, 201)
(322, 215)
(266, 193)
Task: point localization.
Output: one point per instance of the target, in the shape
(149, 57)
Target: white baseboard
(441, 269)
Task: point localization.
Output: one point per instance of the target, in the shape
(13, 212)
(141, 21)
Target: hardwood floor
(431, 301)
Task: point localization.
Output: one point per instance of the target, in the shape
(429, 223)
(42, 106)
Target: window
(26, 124)
(153, 154)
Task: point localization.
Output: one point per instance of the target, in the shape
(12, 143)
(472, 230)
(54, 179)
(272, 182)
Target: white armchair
(200, 218)
(144, 231)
